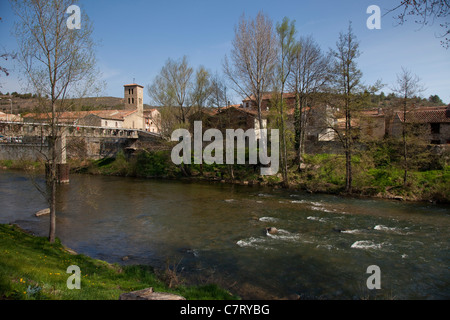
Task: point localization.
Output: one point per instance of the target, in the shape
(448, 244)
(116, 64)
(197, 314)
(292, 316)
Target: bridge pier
(62, 167)
(62, 172)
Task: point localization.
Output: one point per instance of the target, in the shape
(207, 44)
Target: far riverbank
(321, 174)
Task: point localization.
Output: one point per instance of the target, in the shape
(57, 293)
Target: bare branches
(218, 97)
(57, 61)
(426, 12)
(407, 86)
(253, 58)
(346, 78)
(309, 75)
(176, 85)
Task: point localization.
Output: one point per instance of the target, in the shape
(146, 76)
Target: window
(435, 128)
(132, 100)
(129, 101)
(132, 91)
(106, 123)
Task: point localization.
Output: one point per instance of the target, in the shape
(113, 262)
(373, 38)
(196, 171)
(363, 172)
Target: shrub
(152, 164)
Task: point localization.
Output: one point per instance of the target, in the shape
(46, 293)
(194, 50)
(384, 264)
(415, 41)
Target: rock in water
(272, 230)
(43, 212)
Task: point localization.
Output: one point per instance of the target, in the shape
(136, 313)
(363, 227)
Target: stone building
(132, 117)
(266, 101)
(134, 100)
(152, 120)
(435, 121)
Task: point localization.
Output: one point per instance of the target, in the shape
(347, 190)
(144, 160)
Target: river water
(217, 232)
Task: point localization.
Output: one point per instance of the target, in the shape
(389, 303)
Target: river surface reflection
(323, 247)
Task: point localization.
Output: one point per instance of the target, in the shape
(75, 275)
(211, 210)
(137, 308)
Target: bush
(152, 164)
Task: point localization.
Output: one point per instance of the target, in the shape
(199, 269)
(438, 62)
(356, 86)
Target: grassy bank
(33, 269)
(326, 173)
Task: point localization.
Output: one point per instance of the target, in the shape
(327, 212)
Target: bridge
(29, 141)
(71, 130)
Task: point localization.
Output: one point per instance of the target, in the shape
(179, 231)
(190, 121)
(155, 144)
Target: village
(224, 150)
(322, 121)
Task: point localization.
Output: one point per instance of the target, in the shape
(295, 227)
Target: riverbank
(33, 269)
(324, 173)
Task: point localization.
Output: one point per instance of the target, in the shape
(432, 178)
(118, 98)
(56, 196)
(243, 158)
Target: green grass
(33, 269)
(21, 165)
(326, 173)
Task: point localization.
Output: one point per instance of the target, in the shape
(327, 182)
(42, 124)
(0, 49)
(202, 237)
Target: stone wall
(76, 148)
(22, 151)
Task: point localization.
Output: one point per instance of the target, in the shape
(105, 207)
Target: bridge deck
(43, 129)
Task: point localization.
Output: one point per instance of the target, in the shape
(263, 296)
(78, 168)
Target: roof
(250, 112)
(426, 115)
(133, 85)
(150, 110)
(373, 113)
(269, 95)
(75, 115)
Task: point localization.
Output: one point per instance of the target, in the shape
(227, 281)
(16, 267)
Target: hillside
(26, 103)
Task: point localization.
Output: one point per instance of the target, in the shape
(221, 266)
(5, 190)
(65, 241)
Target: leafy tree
(172, 86)
(177, 86)
(435, 99)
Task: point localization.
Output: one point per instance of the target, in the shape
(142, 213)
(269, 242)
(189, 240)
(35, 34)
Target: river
(217, 232)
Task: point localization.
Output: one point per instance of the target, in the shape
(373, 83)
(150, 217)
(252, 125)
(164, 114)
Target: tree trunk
(283, 144)
(297, 119)
(348, 148)
(52, 231)
(53, 177)
(405, 149)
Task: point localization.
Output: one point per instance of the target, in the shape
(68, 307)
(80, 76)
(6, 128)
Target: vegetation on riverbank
(33, 269)
(376, 174)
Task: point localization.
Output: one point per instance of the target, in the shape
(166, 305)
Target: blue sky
(136, 38)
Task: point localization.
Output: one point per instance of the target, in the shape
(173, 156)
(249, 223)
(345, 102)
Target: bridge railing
(41, 129)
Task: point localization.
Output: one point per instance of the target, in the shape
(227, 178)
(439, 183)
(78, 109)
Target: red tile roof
(269, 95)
(133, 85)
(426, 115)
(70, 116)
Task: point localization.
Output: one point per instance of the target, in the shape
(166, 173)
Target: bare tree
(424, 13)
(252, 58)
(5, 56)
(407, 86)
(218, 97)
(309, 77)
(57, 62)
(347, 81)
